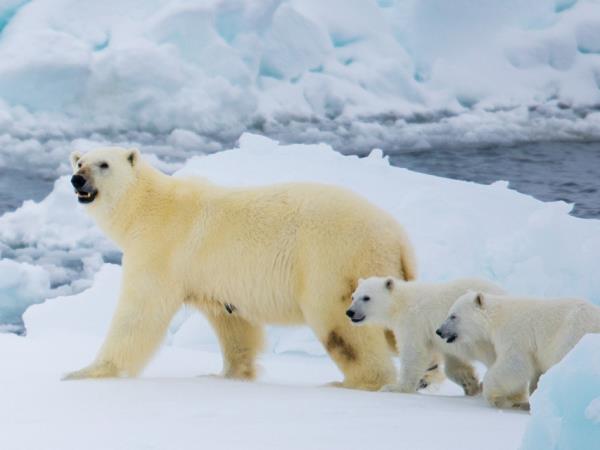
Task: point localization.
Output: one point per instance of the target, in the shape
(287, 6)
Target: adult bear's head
(101, 177)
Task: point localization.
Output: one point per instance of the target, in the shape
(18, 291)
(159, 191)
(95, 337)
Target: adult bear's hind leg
(361, 353)
(240, 341)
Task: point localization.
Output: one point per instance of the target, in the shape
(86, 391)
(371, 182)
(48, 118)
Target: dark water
(548, 171)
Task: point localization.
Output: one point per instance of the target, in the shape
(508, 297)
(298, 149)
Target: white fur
(282, 254)
(414, 310)
(528, 336)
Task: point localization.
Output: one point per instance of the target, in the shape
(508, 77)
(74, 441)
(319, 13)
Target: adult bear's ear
(479, 300)
(74, 158)
(133, 156)
(389, 284)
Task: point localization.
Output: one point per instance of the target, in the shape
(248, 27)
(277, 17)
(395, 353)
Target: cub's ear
(389, 284)
(74, 158)
(479, 300)
(133, 156)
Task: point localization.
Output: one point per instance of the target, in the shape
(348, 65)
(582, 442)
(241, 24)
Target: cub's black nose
(77, 181)
(438, 332)
(350, 313)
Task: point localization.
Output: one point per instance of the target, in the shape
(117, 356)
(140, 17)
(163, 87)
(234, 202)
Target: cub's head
(102, 176)
(467, 319)
(372, 301)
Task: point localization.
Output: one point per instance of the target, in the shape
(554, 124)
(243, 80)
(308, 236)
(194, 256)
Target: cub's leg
(241, 342)
(505, 383)
(416, 359)
(463, 374)
(434, 374)
(138, 326)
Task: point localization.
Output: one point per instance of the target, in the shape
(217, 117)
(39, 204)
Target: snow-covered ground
(181, 77)
(51, 248)
(177, 404)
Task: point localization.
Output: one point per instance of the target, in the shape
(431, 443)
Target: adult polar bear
(282, 254)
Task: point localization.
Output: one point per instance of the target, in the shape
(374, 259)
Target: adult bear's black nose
(438, 332)
(350, 313)
(77, 181)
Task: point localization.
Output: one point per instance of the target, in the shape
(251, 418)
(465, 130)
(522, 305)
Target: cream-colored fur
(282, 254)
(414, 310)
(528, 336)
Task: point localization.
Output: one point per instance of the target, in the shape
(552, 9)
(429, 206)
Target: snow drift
(566, 407)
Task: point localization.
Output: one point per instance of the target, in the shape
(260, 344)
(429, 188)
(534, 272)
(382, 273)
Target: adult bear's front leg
(138, 326)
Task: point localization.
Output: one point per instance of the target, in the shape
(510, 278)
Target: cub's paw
(509, 403)
(432, 379)
(472, 387)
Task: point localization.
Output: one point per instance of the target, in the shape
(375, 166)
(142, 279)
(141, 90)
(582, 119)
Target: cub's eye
(366, 298)
(79, 164)
(452, 316)
(104, 165)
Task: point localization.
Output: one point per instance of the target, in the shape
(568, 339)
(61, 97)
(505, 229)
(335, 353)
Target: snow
(458, 228)
(566, 407)
(356, 74)
(177, 403)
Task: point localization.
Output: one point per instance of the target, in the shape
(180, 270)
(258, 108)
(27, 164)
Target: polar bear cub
(413, 310)
(528, 336)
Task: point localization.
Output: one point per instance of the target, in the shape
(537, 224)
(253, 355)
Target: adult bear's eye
(452, 316)
(104, 165)
(366, 298)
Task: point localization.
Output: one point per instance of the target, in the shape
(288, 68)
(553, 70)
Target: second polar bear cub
(528, 336)
(413, 310)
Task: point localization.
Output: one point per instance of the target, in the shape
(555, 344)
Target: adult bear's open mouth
(86, 197)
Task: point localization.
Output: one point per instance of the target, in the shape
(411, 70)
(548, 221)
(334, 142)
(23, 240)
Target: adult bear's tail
(408, 261)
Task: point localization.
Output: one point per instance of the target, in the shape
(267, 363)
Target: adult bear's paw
(96, 370)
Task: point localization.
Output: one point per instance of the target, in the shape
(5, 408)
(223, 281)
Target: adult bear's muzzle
(85, 192)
